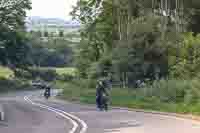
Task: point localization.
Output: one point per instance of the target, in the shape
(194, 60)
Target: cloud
(52, 8)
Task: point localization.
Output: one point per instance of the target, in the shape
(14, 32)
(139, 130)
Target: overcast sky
(52, 8)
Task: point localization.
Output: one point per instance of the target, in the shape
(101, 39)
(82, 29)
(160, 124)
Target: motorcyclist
(99, 94)
(47, 92)
(102, 93)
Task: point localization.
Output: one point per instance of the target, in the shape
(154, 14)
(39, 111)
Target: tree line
(40, 33)
(135, 40)
(20, 49)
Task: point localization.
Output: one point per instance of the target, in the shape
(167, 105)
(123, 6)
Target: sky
(52, 8)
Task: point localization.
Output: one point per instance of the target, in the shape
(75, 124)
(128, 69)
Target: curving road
(28, 112)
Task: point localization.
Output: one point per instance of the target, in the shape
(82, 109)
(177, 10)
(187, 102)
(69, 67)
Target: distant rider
(47, 92)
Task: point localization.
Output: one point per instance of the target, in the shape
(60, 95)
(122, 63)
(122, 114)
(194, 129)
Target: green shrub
(92, 83)
(23, 74)
(14, 84)
(193, 92)
(173, 91)
(44, 74)
(84, 83)
(66, 77)
(184, 62)
(81, 82)
(94, 71)
(48, 75)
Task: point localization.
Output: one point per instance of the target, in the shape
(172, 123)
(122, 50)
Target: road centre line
(64, 114)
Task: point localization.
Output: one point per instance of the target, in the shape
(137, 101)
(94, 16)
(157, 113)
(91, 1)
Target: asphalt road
(28, 112)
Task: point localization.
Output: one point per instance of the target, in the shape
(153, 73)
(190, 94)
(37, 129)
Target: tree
(39, 33)
(195, 20)
(53, 53)
(46, 34)
(13, 38)
(139, 42)
(13, 13)
(96, 35)
(61, 33)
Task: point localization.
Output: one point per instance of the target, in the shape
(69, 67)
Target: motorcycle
(47, 94)
(104, 103)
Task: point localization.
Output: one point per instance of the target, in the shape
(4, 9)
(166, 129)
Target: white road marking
(75, 124)
(63, 114)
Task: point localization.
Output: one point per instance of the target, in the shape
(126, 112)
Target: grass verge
(125, 98)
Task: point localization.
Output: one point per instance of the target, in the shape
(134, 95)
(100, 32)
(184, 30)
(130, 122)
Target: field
(5, 72)
(67, 71)
(53, 29)
(62, 71)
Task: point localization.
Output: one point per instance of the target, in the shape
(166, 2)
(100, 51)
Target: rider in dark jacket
(47, 92)
(102, 93)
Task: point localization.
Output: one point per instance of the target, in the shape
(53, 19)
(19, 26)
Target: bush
(44, 74)
(85, 83)
(175, 91)
(81, 82)
(92, 83)
(192, 93)
(66, 77)
(12, 85)
(94, 71)
(23, 74)
(48, 75)
(184, 64)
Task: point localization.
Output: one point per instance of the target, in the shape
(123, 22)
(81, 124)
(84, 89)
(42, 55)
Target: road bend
(30, 113)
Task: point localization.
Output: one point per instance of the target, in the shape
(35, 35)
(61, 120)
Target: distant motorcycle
(47, 93)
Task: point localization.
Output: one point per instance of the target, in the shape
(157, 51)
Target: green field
(62, 71)
(54, 29)
(67, 71)
(5, 72)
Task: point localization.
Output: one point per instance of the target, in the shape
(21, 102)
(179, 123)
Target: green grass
(74, 93)
(125, 98)
(62, 71)
(5, 72)
(67, 71)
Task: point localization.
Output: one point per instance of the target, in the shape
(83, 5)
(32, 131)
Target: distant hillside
(36, 23)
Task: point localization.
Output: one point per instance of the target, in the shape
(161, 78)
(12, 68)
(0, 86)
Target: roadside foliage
(134, 41)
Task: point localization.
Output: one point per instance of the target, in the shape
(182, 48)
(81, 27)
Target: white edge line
(61, 114)
(84, 125)
(75, 125)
